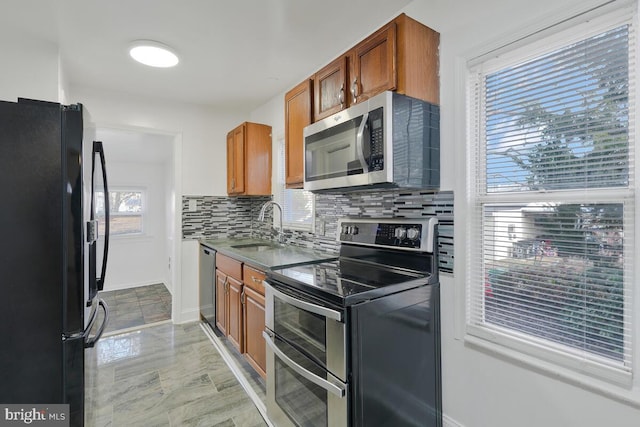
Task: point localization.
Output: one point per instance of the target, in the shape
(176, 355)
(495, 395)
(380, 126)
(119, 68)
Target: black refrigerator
(54, 196)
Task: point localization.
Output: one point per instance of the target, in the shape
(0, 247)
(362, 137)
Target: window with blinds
(553, 198)
(297, 205)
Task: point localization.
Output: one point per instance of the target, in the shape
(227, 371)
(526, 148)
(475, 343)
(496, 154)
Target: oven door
(313, 327)
(299, 392)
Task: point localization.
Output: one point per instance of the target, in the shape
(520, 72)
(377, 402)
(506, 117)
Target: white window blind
(298, 205)
(552, 189)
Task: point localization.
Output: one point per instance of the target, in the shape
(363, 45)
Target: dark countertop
(265, 254)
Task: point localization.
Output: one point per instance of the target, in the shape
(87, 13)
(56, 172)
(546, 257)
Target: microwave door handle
(359, 143)
(303, 305)
(338, 390)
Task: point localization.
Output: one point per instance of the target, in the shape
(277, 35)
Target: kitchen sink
(256, 247)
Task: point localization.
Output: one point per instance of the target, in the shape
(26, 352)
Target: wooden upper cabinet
(249, 160)
(330, 89)
(401, 56)
(373, 68)
(297, 114)
(418, 66)
(235, 161)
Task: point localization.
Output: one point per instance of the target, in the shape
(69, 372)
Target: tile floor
(163, 375)
(133, 307)
(256, 382)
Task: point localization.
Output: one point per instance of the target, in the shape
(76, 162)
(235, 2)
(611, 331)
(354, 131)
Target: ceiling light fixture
(153, 54)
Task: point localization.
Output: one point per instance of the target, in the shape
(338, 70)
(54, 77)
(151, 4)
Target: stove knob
(354, 230)
(345, 230)
(400, 233)
(413, 233)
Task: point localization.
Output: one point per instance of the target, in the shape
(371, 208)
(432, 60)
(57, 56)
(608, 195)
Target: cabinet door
(221, 302)
(329, 85)
(234, 331)
(253, 326)
(235, 161)
(230, 164)
(374, 64)
(257, 159)
(297, 115)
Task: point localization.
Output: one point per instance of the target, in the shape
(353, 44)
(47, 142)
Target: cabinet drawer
(229, 266)
(253, 278)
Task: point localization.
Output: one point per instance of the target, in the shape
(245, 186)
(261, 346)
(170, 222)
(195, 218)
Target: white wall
(139, 260)
(29, 69)
(480, 388)
(199, 169)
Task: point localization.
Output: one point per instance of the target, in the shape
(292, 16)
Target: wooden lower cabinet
(240, 312)
(235, 329)
(222, 302)
(254, 345)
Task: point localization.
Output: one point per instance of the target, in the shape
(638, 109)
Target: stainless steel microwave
(389, 140)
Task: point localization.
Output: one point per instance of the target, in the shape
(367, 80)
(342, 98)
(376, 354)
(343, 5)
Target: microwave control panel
(376, 140)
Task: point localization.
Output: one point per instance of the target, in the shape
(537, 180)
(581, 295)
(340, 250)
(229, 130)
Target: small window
(297, 204)
(126, 208)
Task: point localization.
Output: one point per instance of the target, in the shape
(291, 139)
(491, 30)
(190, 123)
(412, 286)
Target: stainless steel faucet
(263, 209)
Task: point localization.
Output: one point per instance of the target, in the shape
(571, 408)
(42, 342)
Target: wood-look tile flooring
(163, 375)
(139, 306)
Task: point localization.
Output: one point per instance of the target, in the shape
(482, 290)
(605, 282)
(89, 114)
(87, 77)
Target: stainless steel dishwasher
(207, 284)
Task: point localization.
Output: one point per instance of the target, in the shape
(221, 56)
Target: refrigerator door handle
(98, 149)
(92, 341)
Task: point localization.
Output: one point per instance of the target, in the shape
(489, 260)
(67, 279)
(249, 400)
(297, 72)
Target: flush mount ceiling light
(153, 54)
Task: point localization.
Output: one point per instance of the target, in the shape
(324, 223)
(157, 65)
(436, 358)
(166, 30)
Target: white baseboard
(188, 316)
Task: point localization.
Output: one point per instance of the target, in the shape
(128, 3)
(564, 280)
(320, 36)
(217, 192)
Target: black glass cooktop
(345, 281)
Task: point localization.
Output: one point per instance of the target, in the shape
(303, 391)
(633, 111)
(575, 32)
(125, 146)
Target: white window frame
(279, 194)
(553, 359)
(143, 212)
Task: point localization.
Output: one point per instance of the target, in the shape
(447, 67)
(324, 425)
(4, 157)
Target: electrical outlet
(193, 205)
(320, 228)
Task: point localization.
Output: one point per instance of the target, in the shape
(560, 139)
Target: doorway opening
(140, 285)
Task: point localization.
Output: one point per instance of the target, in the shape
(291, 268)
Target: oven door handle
(337, 389)
(304, 305)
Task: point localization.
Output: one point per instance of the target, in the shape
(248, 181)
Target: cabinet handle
(226, 284)
(242, 297)
(233, 183)
(255, 279)
(341, 94)
(354, 89)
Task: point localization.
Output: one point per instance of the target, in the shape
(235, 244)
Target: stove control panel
(396, 233)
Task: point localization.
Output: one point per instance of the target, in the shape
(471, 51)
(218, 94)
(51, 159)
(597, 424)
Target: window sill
(630, 396)
(295, 227)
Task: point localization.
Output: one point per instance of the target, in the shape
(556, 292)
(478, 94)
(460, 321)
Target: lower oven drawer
(301, 393)
(313, 327)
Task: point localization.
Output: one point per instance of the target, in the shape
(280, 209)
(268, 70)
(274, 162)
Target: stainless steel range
(356, 341)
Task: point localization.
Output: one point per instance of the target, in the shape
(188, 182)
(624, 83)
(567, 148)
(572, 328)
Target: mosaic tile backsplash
(212, 214)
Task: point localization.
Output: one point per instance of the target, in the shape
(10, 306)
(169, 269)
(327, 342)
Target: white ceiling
(235, 54)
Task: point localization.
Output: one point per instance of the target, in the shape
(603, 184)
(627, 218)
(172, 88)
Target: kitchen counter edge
(285, 256)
